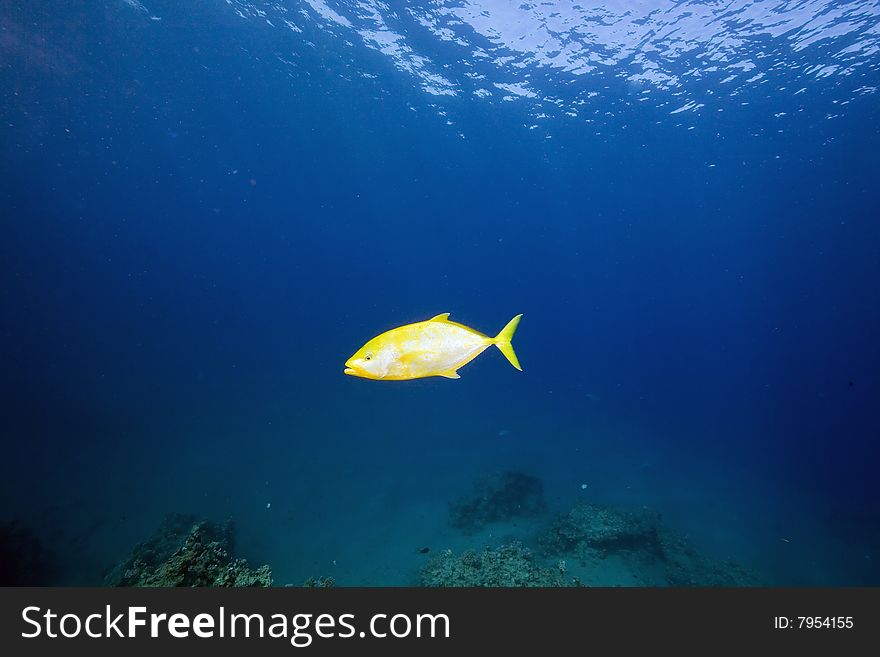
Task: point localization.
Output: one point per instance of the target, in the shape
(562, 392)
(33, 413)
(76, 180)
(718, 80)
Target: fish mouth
(349, 371)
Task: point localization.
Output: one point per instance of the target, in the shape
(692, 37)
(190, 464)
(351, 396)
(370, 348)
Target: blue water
(208, 207)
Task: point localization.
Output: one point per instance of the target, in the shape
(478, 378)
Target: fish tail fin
(502, 341)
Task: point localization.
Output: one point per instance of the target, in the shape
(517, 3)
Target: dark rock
(497, 498)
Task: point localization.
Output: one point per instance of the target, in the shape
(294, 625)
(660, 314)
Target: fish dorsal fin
(442, 317)
(451, 374)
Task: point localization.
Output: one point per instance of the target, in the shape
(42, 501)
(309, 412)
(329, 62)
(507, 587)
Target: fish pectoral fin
(442, 317)
(451, 374)
(411, 357)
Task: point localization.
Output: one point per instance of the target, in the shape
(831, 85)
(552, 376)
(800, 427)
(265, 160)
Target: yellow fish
(436, 347)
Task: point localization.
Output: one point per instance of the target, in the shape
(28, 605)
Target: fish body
(436, 347)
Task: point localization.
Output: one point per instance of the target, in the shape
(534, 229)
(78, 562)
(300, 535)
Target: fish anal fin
(442, 317)
(451, 374)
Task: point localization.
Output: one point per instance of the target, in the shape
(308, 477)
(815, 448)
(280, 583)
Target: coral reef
(23, 559)
(602, 528)
(319, 582)
(506, 566)
(496, 498)
(656, 555)
(605, 545)
(186, 552)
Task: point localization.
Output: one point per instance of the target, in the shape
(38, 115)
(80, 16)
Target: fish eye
(368, 356)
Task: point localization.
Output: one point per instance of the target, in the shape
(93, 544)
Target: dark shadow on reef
(496, 498)
(23, 559)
